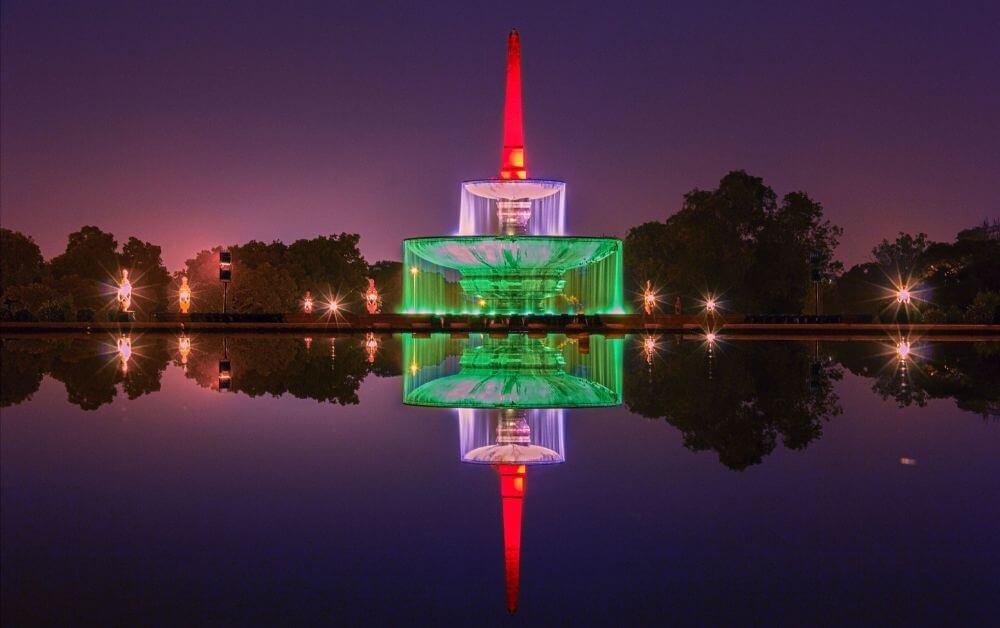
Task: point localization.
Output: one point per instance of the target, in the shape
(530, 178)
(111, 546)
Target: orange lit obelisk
(512, 484)
(513, 163)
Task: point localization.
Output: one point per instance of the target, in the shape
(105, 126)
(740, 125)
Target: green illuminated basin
(500, 388)
(507, 269)
(513, 372)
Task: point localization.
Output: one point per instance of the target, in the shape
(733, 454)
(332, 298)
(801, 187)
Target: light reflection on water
(804, 481)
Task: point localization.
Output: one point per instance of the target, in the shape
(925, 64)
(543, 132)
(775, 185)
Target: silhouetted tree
(736, 240)
(21, 261)
(954, 281)
(149, 276)
(274, 277)
(388, 276)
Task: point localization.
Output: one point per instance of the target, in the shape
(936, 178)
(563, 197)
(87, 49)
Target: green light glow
(512, 275)
(511, 372)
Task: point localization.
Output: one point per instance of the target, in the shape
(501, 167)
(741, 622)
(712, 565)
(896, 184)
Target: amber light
(184, 296)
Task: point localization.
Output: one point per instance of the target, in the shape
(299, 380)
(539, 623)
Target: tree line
(79, 284)
(758, 255)
(724, 401)
(738, 242)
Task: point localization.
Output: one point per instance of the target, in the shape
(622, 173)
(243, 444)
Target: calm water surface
(792, 482)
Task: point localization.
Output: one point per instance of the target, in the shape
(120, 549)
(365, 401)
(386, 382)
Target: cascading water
(478, 214)
(478, 429)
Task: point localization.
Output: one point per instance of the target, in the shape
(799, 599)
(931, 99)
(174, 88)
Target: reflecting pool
(474, 479)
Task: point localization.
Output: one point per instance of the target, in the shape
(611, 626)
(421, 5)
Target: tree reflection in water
(268, 365)
(965, 372)
(737, 399)
(738, 402)
(88, 367)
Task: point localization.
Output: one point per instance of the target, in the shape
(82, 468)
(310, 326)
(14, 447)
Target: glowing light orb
(184, 348)
(903, 296)
(124, 351)
(371, 346)
(649, 349)
(710, 337)
(308, 341)
(648, 298)
(414, 270)
(710, 305)
(414, 368)
(307, 303)
(903, 350)
(184, 296)
(124, 294)
(334, 306)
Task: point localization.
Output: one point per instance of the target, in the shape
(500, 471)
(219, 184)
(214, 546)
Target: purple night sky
(220, 122)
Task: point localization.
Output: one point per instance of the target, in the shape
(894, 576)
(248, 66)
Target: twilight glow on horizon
(195, 126)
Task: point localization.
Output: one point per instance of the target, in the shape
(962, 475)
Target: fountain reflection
(511, 393)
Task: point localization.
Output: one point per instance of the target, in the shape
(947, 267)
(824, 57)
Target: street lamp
(225, 368)
(225, 275)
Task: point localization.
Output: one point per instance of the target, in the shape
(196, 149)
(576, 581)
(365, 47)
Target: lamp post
(816, 274)
(225, 368)
(225, 275)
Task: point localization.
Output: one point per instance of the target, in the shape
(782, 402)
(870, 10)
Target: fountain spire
(513, 163)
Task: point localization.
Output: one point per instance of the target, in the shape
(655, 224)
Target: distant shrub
(52, 312)
(984, 308)
(24, 316)
(935, 316)
(954, 315)
(84, 315)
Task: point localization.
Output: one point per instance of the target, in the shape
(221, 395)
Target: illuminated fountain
(511, 394)
(511, 254)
